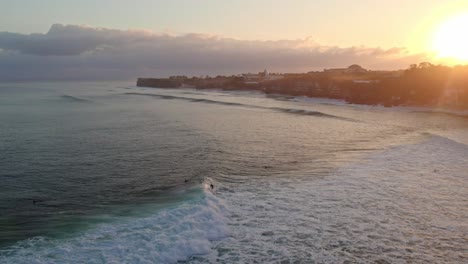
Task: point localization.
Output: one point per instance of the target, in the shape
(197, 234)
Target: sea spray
(169, 235)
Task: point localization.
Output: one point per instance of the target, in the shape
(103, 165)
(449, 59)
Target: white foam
(170, 235)
(340, 102)
(404, 204)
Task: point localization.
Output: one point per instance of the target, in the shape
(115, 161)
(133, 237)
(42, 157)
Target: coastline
(424, 85)
(461, 112)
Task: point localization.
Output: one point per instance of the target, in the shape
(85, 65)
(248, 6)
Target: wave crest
(170, 235)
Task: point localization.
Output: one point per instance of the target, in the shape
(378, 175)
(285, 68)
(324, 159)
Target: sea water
(109, 172)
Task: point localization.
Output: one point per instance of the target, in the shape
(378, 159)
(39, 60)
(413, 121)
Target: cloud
(72, 52)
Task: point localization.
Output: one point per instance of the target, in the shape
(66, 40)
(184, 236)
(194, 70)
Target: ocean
(106, 172)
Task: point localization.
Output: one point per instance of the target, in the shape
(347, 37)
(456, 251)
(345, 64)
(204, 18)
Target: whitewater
(112, 173)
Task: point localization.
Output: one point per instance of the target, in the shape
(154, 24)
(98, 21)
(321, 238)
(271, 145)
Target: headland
(424, 85)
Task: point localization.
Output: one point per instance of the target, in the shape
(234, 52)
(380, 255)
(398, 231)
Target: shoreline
(424, 85)
(332, 101)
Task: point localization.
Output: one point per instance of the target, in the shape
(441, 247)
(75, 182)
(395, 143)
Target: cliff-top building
(261, 76)
(351, 69)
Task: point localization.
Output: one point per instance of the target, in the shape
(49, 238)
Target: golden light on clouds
(450, 39)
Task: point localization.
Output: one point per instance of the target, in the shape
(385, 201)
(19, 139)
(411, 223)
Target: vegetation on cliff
(424, 84)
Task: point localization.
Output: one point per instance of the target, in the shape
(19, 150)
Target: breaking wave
(382, 209)
(170, 235)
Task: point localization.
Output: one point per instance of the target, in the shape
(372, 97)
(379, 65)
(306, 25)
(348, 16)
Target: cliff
(159, 83)
(421, 85)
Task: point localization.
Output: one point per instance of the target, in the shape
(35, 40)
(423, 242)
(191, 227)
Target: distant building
(355, 69)
(365, 81)
(351, 69)
(273, 77)
(252, 78)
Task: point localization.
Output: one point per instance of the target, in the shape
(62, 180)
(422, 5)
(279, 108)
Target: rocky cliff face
(158, 83)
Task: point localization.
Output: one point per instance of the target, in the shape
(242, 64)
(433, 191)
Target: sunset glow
(266, 131)
(451, 39)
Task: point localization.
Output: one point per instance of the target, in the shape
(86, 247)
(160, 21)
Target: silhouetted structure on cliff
(424, 84)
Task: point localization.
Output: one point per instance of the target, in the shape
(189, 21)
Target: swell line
(278, 109)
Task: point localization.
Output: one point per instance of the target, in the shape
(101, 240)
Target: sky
(108, 39)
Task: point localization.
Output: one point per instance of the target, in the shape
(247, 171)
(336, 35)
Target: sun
(451, 39)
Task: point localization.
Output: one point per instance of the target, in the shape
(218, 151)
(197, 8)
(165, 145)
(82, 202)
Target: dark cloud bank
(70, 52)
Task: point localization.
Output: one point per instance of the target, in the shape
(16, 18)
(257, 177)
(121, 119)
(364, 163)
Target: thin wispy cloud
(72, 52)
